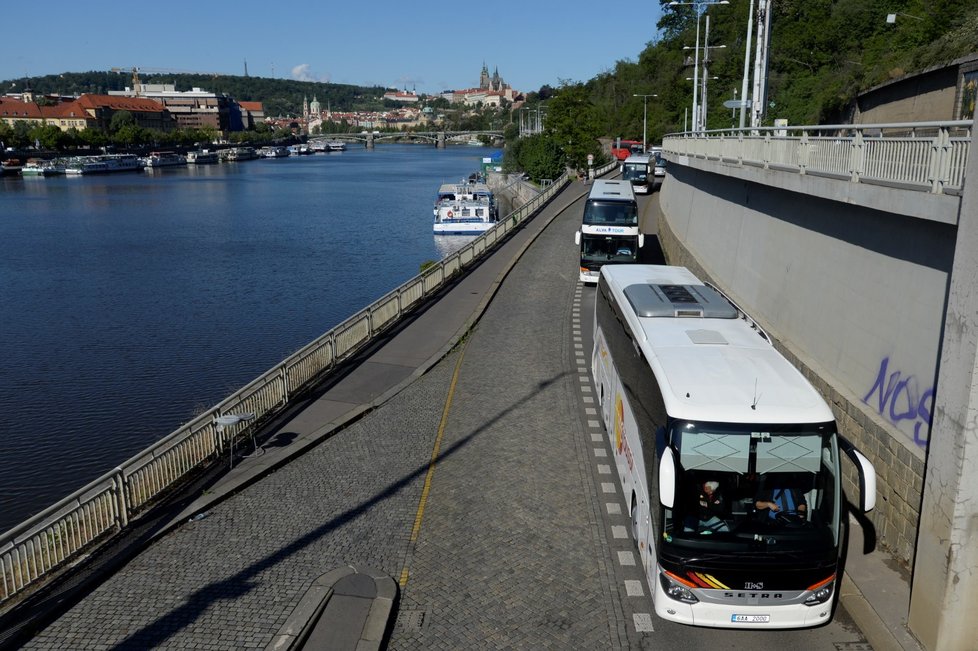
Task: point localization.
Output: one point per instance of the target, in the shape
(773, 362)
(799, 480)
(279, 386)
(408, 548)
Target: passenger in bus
(781, 503)
(710, 507)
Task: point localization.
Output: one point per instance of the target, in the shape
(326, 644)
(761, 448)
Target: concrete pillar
(945, 577)
(370, 141)
(440, 140)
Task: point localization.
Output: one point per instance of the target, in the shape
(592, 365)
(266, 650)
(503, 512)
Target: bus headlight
(674, 589)
(821, 592)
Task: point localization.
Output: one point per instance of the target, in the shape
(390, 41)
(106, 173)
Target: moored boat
(11, 166)
(238, 153)
(104, 164)
(41, 167)
(164, 159)
(465, 208)
(273, 151)
(336, 145)
(201, 157)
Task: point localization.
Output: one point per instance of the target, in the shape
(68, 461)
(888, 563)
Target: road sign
(737, 103)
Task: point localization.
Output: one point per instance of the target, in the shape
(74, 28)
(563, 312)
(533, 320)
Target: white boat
(336, 145)
(300, 150)
(104, 164)
(238, 153)
(201, 157)
(164, 159)
(273, 151)
(40, 167)
(465, 208)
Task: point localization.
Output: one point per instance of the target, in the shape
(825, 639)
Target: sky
(427, 47)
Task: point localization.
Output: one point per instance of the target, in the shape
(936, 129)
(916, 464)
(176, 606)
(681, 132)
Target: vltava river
(131, 302)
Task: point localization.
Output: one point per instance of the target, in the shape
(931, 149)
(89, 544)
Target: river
(130, 303)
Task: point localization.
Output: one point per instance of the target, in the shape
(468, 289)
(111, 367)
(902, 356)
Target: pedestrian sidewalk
(877, 595)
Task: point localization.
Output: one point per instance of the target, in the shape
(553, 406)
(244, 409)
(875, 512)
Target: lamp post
(698, 8)
(645, 116)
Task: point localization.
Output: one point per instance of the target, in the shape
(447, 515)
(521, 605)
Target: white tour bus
(638, 170)
(609, 229)
(712, 428)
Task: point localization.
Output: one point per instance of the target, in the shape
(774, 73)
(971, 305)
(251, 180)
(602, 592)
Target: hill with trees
(280, 97)
(823, 53)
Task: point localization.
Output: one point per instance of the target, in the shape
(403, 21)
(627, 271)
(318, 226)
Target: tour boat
(164, 159)
(465, 208)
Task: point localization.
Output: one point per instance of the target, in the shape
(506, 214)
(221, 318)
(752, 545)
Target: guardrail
(925, 156)
(58, 535)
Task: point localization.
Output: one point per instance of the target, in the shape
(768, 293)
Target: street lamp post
(697, 7)
(645, 115)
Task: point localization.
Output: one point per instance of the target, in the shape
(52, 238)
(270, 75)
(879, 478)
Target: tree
(538, 155)
(48, 136)
(573, 122)
(121, 119)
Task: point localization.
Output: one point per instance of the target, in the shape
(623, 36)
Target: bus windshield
(635, 171)
(754, 489)
(614, 213)
(608, 248)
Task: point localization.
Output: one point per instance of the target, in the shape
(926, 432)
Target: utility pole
(760, 63)
(743, 87)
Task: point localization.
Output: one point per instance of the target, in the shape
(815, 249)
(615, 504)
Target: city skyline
(429, 50)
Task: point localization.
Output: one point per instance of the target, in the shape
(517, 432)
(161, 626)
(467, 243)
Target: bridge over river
(460, 457)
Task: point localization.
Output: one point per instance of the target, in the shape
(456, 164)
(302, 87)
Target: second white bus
(609, 232)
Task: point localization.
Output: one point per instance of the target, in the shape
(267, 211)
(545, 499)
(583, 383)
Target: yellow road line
(416, 530)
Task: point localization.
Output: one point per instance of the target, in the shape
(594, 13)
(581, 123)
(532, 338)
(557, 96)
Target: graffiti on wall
(901, 400)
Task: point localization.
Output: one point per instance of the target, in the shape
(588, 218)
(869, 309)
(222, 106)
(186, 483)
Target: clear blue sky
(428, 46)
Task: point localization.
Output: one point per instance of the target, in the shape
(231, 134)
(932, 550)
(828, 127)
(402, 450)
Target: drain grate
(853, 646)
(412, 620)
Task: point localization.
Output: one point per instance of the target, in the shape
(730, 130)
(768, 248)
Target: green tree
(48, 136)
(573, 122)
(538, 155)
(121, 119)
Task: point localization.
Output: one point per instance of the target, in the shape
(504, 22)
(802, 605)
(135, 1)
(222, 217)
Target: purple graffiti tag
(899, 398)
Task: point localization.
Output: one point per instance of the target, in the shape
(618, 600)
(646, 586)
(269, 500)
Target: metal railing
(61, 533)
(925, 156)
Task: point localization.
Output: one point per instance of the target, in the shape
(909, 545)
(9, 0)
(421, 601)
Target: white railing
(924, 156)
(61, 533)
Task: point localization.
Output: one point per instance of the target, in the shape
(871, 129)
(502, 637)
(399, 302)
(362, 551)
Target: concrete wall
(855, 297)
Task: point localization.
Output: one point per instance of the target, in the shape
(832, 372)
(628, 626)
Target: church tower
(484, 77)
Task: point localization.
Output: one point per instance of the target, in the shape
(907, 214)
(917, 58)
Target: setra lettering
(753, 595)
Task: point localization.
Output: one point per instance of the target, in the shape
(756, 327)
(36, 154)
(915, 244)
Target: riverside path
(484, 486)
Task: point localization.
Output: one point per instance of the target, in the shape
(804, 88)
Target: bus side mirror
(667, 478)
(577, 238)
(641, 240)
(867, 475)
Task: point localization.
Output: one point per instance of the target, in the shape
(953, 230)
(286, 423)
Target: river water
(130, 303)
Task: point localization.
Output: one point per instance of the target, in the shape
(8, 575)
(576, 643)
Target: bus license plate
(750, 619)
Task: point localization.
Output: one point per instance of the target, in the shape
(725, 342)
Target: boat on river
(464, 208)
(202, 157)
(41, 167)
(273, 151)
(164, 159)
(336, 145)
(104, 164)
(238, 153)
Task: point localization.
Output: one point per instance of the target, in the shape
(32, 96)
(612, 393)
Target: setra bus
(609, 228)
(638, 169)
(691, 390)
